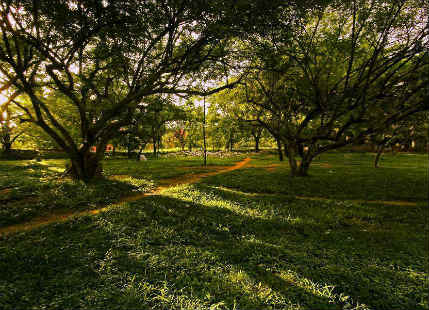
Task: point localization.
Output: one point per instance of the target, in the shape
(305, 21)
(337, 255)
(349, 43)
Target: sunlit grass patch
(226, 243)
(348, 179)
(195, 247)
(165, 167)
(34, 190)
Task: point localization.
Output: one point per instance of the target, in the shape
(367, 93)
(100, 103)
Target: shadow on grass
(202, 249)
(373, 267)
(32, 192)
(345, 182)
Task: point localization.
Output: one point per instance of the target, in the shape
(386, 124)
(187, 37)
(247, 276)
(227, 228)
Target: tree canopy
(341, 73)
(105, 57)
(316, 75)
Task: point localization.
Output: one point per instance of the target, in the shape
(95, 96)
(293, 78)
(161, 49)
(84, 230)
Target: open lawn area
(225, 236)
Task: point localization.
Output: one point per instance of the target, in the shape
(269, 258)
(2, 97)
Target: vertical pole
(204, 131)
(157, 135)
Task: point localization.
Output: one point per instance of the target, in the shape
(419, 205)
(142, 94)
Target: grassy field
(252, 238)
(29, 189)
(339, 176)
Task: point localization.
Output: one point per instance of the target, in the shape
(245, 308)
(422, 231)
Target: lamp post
(204, 131)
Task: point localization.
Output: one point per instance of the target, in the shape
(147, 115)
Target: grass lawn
(245, 239)
(29, 189)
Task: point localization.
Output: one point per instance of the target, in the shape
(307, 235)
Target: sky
(3, 99)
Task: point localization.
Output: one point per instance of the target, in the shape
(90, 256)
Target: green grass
(221, 244)
(30, 189)
(165, 167)
(339, 176)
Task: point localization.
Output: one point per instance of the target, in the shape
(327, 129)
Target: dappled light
(190, 244)
(214, 155)
(61, 214)
(194, 246)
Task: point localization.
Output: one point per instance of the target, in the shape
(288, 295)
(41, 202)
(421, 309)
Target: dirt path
(272, 167)
(164, 184)
(382, 202)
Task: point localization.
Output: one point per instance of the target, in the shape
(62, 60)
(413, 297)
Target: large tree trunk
(85, 166)
(298, 169)
(303, 167)
(290, 152)
(159, 142)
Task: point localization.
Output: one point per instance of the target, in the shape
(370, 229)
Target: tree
(404, 133)
(8, 132)
(161, 112)
(105, 57)
(252, 130)
(223, 129)
(344, 72)
(148, 124)
(7, 119)
(193, 126)
(180, 134)
(6, 136)
(233, 121)
(189, 129)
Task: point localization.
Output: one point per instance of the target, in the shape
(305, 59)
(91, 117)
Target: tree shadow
(351, 258)
(359, 183)
(207, 253)
(32, 192)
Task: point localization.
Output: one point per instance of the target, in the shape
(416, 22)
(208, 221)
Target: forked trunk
(303, 168)
(85, 167)
(298, 169)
